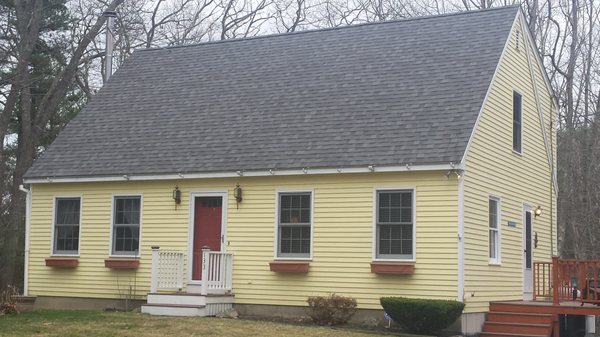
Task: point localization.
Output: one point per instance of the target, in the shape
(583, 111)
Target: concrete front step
(186, 304)
(174, 310)
(517, 328)
(188, 299)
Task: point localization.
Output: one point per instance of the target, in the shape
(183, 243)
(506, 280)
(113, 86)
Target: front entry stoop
(186, 304)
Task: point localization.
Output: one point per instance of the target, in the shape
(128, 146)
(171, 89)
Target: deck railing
(542, 280)
(168, 271)
(567, 280)
(217, 270)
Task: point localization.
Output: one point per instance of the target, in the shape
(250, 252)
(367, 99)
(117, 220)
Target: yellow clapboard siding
(342, 244)
(492, 168)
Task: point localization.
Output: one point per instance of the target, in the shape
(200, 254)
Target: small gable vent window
(517, 122)
(518, 39)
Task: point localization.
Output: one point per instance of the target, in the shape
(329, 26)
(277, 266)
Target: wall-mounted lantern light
(237, 194)
(457, 172)
(538, 211)
(177, 195)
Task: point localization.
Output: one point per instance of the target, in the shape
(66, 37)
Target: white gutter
(240, 173)
(27, 230)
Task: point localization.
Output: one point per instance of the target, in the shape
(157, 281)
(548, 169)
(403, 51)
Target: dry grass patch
(50, 323)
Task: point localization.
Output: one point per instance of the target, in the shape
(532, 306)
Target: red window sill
(393, 268)
(122, 263)
(62, 262)
(289, 266)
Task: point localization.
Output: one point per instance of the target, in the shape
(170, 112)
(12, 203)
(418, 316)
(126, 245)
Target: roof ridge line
(318, 30)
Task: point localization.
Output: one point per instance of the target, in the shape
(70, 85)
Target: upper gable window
(66, 226)
(517, 122)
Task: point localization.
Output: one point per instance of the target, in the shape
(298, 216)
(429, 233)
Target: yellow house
(407, 158)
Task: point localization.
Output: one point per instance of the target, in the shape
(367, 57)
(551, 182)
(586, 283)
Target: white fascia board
(253, 173)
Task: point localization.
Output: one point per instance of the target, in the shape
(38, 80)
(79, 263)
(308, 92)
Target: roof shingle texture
(384, 94)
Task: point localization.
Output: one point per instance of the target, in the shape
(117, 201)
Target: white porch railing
(217, 270)
(216, 267)
(167, 270)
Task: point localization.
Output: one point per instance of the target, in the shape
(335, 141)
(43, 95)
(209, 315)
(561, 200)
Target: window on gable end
(517, 122)
(494, 229)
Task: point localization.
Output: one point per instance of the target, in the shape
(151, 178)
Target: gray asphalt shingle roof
(385, 94)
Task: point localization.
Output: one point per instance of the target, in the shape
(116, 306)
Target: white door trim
(193, 195)
(527, 273)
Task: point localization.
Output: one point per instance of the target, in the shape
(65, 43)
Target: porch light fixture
(371, 168)
(538, 211)
(237, 194)
(177, 195)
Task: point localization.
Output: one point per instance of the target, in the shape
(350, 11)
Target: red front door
(207, 229)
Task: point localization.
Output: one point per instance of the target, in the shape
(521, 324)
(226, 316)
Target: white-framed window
(67, 218)
(294, 224)
(494, 229)
(126, 225)
(517, 122)
(395, 224)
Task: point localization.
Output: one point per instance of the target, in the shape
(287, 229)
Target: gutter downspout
(27, 230)
(461, 240)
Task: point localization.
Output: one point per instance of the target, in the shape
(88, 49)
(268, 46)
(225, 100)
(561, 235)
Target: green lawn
(65, 323)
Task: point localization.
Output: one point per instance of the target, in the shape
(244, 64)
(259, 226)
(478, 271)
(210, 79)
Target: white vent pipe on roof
(110, 41)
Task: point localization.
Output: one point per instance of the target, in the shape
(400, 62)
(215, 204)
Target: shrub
(331, 310)
(422, 316)
(8, 300)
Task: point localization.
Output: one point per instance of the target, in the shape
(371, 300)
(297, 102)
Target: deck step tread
(485, 334)
(529, 314)
(519, 324)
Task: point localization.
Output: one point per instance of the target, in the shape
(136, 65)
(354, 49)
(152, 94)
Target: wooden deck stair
(506, 320)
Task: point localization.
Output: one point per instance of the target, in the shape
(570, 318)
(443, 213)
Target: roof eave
(252, 173)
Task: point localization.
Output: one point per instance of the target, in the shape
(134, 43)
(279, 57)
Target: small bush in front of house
(331, 310)
(422, 316)
(8, 300)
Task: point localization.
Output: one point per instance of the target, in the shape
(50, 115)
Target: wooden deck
(547, 307)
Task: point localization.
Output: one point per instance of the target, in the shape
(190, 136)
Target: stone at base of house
(471, 324)
(85, 303)
(368, 318)
(25, 303)
(590, 326)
